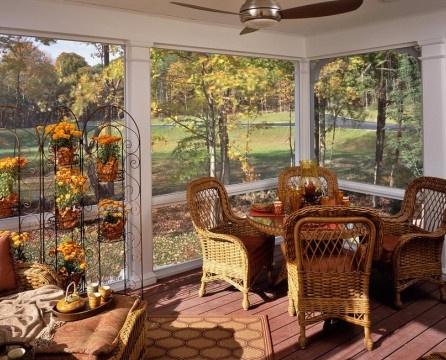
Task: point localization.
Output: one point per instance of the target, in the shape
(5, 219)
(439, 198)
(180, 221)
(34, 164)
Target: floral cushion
(93, 336)
(8, 281)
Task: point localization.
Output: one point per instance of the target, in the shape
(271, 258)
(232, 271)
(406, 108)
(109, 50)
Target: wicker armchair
(232, 249)
(413, 238)
(290, 176)
(329, 258)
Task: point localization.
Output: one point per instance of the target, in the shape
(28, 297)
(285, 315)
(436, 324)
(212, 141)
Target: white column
(433, 69)
(305, 138)
(138, 106)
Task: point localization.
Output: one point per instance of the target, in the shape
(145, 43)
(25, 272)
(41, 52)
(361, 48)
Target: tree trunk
(380, 134)
(224, 145)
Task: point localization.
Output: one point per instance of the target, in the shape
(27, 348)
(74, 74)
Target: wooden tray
(85, 312)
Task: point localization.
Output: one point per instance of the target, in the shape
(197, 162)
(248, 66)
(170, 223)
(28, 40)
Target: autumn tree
(339, 91)
(28, 77)
(208, 95)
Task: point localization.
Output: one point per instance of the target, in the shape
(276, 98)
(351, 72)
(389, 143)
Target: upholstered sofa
(128, 341)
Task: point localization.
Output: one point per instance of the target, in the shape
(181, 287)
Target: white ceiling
(371, 11)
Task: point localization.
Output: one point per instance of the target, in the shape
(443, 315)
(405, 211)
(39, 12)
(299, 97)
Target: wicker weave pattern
(329, 275)
(290, 177)
(35, 275)
(232, 249)
(421, 225)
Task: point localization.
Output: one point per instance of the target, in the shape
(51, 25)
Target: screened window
(219, 115)
(367, 116)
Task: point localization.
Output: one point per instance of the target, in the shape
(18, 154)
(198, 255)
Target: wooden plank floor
(416, 330)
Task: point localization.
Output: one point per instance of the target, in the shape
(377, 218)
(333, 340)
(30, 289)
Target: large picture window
(226, 116)
(367, 117)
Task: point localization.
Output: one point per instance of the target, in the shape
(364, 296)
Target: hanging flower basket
(107, 171)
(64, 155)
(7, 204)
(112, 231)
(67, 218)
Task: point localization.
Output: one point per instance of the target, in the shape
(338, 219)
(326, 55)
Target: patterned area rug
(434, 356)
(208, 338)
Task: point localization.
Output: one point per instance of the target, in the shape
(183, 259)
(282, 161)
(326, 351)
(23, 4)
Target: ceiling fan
(261, 14)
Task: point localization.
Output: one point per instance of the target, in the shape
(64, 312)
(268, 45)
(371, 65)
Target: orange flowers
(108, 147)
(63, 134)
(73, 257)
(106, 139)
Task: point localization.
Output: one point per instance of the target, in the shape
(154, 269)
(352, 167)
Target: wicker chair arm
(397, 226)
(406, 239)
(408, 243)
(239, 228)
(35, 275)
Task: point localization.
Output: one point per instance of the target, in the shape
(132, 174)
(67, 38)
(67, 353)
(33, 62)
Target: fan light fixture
(260, 14)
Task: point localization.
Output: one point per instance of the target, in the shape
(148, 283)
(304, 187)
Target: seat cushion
(8, 281)
(390, 242)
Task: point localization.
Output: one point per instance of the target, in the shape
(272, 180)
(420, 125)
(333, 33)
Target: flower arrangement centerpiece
(9, 173)
(71, 265)
(64, 141)
(107, 156)
(112, 219)
(18, 240)
(70, 185)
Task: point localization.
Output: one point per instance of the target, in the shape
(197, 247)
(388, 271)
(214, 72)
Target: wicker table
(270, 224)
(267, 223)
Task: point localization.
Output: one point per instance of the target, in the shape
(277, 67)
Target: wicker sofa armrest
(34, 275)
(132, 337)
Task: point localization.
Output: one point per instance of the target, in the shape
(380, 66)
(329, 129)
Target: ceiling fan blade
(321, 9)
(203, 8)
(247, 30)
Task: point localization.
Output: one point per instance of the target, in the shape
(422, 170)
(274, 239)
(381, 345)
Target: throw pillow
(8, 281)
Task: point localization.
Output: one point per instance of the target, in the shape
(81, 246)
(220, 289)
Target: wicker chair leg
(398, 303)
(442, 293)
(368, 342)
(245, 302)
(303, 341)
(291, 307)
(202, 290)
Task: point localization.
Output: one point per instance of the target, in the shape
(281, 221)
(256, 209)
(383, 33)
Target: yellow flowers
(12, 163)
(17, 240)
(9, 172)
(63, 134)
(70, 186)
(111, 210)
(73, 257)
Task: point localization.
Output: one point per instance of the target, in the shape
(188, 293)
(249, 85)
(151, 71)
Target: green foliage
(207, 95)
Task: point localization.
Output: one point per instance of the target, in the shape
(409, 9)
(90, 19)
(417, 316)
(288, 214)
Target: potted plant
(64, 141)
(71, 263)
(70, 185)
(9, 173)
(112, 219)
(18, 240)
(107, 156)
